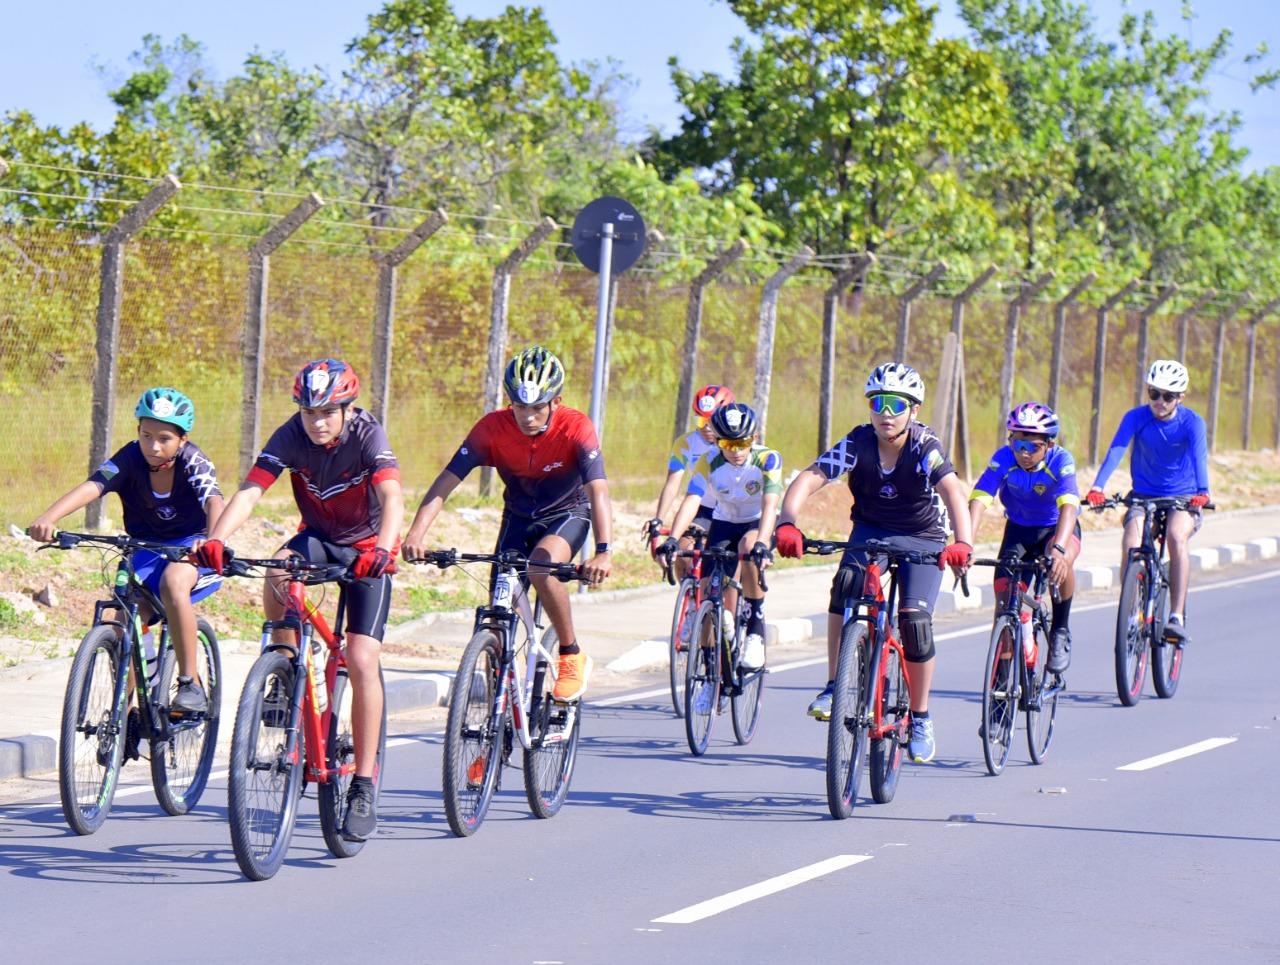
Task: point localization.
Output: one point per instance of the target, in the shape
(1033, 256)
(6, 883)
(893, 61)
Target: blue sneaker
(921, 746)
(702, 700)
(820, 708)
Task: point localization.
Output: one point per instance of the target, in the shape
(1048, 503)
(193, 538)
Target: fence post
(499, 301)
(1275, 428)
(765, 332)
(1249, 367)
(653, 239)
(1184, 320)
(1060, 335)
(1215, 380)
(955, 426)
(385, 311)
(854, 272)
(902, 341)
(253, 339)
(1099, 366)
(110, 298)
(1026, 292)
(693, 328)
(1144, 327)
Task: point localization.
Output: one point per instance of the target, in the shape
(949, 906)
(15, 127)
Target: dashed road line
(1147, 763)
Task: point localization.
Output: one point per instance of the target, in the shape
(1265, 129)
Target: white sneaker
(752, 657)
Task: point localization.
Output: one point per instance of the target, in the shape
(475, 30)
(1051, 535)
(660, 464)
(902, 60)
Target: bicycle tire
(340, 751)
(677, 649)
(471, 735)
(1042, 693)
(885, 760)
(182, 759)
(550, 758)
(703, 675)
(1131, 634)
(746, 706)
(263, 786)
(999, 694)
(1166, 658)
(847, 729)
(91, 737)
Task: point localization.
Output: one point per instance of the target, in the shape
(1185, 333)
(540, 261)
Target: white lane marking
(1176, 755)
(761, 889)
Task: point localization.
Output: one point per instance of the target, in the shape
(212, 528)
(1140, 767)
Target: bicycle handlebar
(66, 540)
(298, 569)
(564, 572)
(723, 556)
(1157, 502)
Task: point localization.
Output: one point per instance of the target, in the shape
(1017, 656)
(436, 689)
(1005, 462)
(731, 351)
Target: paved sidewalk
(624, 631)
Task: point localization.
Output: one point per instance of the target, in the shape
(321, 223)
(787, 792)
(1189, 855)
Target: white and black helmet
(895, 378)
(1169, 375)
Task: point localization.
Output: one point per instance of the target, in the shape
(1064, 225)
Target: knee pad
(847, 583)
(917, 635)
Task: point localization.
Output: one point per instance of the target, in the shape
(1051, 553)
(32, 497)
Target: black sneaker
(132, 734)
(1059, 651)
(1176, 634)
(275, 706)
(362, 813)
(190, 698)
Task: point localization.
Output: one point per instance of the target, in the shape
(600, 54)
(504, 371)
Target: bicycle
(99, 730)
(716, 668)
(1021, 626)
(872, 697)
(491, 704)
(293, 725)
(1144, 599)
(688, 600)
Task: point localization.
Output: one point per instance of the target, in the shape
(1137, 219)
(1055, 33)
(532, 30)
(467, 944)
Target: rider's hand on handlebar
(1061, 568)
(956, 556)
(374, 563)
(761, 555)
(414, 546)
(212, 554)
(42, 530)
(652, 529)
(1199, 501)
(597, 569)
(1095, 497)
(667, 547)
(790, 540)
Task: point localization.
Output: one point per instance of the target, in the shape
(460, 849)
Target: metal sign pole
(602, 321)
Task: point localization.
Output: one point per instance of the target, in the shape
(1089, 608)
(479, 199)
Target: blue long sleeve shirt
(1170, 458)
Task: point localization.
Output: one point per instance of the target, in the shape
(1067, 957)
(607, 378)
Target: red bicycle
(688, 600)
(293, 725)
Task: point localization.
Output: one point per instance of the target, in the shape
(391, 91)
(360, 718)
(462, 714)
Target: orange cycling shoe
(475, 772)
(571, 676)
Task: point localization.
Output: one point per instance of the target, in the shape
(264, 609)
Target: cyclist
(346, 483)
(739, 487)
(549, 459)
(1035, 479)
(901, 481)
(169, 493)
(1170, 458)
(685, 453)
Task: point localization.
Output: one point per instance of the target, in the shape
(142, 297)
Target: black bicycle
(100, 731)
(712, 669)
(1019, 639)
(1144, 604)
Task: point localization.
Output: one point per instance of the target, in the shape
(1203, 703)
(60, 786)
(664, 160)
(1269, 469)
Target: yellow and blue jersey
(736, 494)
(1030, 497)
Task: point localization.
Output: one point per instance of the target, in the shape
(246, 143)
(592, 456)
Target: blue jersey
(1170, 457)
(1030, 497)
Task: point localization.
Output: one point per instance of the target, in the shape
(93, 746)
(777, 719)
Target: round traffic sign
(628, 233)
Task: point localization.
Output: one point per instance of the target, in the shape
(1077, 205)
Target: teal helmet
(167, 405)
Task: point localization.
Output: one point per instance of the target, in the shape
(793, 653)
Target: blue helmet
(167, 405)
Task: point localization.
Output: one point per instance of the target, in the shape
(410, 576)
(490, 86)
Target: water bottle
(726, 622)
(319, 691)
(1029, 649)
(151, 659)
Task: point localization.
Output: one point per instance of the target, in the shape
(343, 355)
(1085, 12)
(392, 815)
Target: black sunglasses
(1155, 394)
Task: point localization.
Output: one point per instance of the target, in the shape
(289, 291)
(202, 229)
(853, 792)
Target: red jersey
(544, 474)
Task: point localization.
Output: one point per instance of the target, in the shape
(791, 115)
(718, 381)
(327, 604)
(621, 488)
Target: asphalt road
(1075, 860)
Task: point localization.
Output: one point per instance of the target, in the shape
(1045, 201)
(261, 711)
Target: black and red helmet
(326, 382)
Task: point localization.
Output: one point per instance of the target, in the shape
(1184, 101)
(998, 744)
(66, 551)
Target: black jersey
(903, 500)
(175, 515)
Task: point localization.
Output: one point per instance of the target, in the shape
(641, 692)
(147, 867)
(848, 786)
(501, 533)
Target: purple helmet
(1034, 417)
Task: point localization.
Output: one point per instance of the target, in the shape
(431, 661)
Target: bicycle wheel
(1131, 634)
(91, 740)
(553, 736)
(682, 620)
(1043, 689)
(746, 705)
(1000, 694)
(263, 781)
(895, 709)
(702, 682)
(847, 730)
(1166, 658)
(472, 756)
(339, 753)
(182, 758)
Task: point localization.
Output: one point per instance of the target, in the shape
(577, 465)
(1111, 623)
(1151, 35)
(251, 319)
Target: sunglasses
(734, 445)
(1156, 395)
(1027, 446)
(893, 404)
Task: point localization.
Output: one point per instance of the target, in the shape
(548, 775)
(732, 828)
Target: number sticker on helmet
(317, 381)
(733, 417)
(162, 407)
(528, 393)
(707, 403)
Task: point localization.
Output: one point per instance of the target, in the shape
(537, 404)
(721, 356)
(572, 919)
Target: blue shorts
(148, 568)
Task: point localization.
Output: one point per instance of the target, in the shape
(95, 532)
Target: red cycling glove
(957, 554)
(211, 555)
(1095, 498)
(790, 541)
(373, 563)
(1199, 500)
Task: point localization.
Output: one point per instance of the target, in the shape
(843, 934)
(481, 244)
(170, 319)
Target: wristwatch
(1059, 547)
(602, 548)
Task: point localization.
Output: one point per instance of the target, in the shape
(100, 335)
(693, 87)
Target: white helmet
(895, 378)
(1168, 375)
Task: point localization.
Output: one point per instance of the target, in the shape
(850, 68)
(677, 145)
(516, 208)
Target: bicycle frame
(877, 613)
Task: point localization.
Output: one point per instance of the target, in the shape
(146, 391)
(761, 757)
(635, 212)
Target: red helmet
(709, 398)
(326, 382)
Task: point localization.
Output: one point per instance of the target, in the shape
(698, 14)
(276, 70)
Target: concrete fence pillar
(854, 272)
(1215, 378)
(1099, 366)
(1250, 359)
(954, 430)
(1144, 328)
(1008, 368)
(1184, 321)
(768, 323)
(1060, 336)
(901, 342)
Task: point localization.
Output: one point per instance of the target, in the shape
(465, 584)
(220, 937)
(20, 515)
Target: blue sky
(52, 71)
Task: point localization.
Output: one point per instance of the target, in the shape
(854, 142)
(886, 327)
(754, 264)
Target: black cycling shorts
(523, 534)
(1028, 543)
(918, 583)
(367, 601)
(725, 535)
